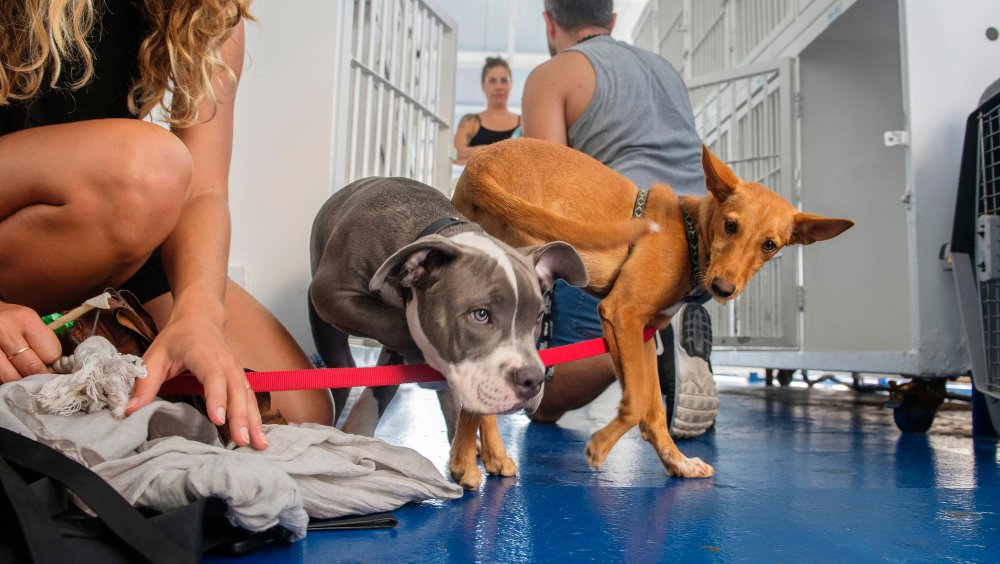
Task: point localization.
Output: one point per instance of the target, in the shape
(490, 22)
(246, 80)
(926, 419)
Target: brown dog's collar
(638, 209)
(698, 293)
(692, 238)
(640, 204)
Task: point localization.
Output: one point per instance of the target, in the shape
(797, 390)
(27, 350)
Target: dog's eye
(480, 316)
(769, 246)
(540, 314)
(730, 226)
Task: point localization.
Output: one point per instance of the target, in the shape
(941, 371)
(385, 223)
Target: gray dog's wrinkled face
(475, 310)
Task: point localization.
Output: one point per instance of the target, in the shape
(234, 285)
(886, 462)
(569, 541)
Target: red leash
(285, 380)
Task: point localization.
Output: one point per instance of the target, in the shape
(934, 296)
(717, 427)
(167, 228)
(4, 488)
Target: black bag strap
(121, 518)
(354, 523)
(51, 500)
(45, 543)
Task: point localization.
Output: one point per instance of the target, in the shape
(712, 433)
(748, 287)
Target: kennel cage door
(745, 116)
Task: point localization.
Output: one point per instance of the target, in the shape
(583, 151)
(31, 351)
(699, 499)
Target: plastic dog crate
(975, 247)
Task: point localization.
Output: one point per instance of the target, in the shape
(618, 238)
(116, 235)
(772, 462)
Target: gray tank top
(639, 122)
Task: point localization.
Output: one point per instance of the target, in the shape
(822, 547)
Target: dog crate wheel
(785, 377)
(915, 403)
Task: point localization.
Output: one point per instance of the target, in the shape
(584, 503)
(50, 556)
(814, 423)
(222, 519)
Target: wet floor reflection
(802, 476)
(764, 438)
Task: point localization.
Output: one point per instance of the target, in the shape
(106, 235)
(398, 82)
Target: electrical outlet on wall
(239, 275)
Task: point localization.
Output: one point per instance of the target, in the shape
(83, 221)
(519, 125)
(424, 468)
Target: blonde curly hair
(180, 57)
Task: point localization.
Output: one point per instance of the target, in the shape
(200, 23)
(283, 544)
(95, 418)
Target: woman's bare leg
(83, 205)
(261, 343)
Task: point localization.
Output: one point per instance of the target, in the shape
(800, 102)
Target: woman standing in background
(494, 124)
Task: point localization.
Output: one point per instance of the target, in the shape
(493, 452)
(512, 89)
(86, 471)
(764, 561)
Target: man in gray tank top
(629, 109)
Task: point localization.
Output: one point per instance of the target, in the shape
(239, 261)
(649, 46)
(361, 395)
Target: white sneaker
(686, 366)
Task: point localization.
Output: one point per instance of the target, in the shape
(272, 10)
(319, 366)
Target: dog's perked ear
(557, 260)
(810, 228)
(720, 180)
(414, 266)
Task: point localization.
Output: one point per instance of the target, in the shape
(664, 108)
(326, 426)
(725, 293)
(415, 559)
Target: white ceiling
(484, 25)
(484, 30)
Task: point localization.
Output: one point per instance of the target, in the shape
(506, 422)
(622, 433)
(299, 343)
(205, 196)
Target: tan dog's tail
(541, 223)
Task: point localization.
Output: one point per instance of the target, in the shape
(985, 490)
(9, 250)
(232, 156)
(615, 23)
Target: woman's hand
(27, 345)
(195, 341)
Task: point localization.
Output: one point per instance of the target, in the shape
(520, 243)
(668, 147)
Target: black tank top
(114, 41)
(488, 136)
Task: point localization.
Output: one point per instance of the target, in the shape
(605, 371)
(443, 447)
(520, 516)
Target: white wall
(282, 152)
(857, 285)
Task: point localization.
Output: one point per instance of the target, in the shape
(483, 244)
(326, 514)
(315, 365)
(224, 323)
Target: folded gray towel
(168, 455)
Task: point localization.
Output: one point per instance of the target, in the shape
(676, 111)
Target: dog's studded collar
(440, 224)
(638, 209)
(698, 293)
(640, 204)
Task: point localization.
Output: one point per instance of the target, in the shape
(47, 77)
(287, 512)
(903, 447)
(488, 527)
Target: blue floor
(803, 476)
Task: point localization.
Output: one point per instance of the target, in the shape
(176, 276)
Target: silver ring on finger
(18, 352)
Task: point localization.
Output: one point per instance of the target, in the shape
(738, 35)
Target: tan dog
(528, 192)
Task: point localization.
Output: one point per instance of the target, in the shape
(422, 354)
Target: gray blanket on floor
(167, 455)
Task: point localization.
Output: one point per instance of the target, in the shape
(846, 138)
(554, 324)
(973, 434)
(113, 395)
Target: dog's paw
(500, 465)
(469, 477)
(689, 468)
(595, 455)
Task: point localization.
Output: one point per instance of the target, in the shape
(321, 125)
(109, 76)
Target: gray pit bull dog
(388, 264)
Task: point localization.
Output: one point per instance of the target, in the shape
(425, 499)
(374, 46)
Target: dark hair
(492, 62)
(571, 15)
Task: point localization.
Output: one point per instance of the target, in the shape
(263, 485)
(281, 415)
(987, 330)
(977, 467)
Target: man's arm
(556, 94)
(543, 104)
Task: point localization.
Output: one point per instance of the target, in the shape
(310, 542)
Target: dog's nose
(722, 288)
(527, 382)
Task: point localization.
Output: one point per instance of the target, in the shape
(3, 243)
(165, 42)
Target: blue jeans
(574, 316)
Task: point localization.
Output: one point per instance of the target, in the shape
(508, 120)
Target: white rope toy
(96, 376)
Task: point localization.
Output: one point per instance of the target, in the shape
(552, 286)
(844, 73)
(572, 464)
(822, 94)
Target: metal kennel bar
(755, 20)
(395, 97)
(745, 117)
(670, 32)
(709, 37)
